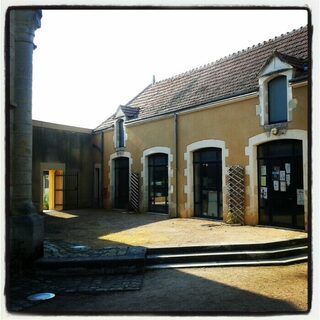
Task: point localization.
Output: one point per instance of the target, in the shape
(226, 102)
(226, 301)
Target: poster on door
(288, 167)
(300, 197)
(275, 173)
(264, 193)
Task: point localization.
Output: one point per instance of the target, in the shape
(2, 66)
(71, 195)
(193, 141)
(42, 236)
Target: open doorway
(52, 190)
(52, 186)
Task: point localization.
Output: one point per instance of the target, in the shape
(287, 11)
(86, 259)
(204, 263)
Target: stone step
(226, 256)
(280, 252)
(229, 247)
(231, 263)
(132, 261)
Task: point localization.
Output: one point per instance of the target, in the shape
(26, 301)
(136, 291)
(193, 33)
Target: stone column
(26, 225)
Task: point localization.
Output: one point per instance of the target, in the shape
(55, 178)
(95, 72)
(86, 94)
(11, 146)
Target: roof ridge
(234, 54)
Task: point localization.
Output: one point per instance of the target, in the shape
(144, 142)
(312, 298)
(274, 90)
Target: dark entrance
(207, 177)
(121, 183)
(158, 182)
(280, 175)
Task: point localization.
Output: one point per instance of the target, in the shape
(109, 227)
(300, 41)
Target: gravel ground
(99, 228)
(262, 290)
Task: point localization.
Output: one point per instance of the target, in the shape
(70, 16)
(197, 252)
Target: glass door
(280, 174)
(207, 170)
(121, 191)
(158, 182)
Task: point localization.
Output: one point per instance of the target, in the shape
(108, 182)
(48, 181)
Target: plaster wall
(230, 126)
(141, 137)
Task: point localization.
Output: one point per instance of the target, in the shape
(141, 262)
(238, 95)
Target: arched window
(120, 133)
(277, 101)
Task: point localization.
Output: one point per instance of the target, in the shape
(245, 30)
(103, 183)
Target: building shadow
(176, 292)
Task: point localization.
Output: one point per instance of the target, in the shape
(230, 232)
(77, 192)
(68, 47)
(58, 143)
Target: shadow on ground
(195, 292)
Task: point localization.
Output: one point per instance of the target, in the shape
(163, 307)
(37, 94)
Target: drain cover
(41, 296)
(80, 247)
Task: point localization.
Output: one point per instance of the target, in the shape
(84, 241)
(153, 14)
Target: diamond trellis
(134, 191)
(235, 194)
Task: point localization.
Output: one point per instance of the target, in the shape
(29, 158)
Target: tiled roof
(233, 75)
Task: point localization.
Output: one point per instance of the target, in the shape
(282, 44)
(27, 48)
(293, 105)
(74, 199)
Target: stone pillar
(26, 225)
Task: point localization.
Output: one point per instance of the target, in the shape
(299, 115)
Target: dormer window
(275, 94)
(120, 133)
(277, 100)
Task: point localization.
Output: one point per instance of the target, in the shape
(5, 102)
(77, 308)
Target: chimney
(153, 79)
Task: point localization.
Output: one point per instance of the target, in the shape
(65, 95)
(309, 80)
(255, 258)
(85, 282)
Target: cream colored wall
(140, 137)
(234, 123)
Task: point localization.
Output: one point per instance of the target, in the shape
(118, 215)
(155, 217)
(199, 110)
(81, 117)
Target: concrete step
(252, 263)
(281, 252)
(229, 247)
(131, 262)
(137, 259)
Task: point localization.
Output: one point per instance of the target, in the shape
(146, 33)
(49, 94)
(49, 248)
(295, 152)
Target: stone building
(62, 167)
(229, 139)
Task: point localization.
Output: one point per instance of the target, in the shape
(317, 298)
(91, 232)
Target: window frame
(271, 113)
(119, 145)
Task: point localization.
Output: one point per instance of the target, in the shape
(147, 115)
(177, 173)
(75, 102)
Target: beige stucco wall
(234, 123)
(140, 137)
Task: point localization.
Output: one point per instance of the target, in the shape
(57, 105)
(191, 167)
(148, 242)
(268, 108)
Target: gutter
(176, 141)
(210, 104)
(102, 172)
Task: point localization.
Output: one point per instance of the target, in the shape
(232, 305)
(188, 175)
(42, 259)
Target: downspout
(102, 172)
(176, 158)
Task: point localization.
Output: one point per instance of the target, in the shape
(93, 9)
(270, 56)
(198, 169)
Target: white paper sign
(300, 197)
(264, 193)
(288, 179)
(282, 176)
(263, 170)
(275, 185)
(283, 186)
(288, 167)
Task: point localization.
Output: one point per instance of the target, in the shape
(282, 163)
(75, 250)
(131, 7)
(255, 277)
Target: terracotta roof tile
(233, 75)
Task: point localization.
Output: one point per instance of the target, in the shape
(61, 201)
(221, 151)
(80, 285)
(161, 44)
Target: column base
(26, 237)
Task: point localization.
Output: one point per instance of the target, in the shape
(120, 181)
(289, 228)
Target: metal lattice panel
(235, 193)
(134, 191)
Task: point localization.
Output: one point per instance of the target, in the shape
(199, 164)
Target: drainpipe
(102, 172)
(176, 157)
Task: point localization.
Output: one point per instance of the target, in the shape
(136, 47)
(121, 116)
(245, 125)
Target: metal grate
(235, 194)
(134, 191)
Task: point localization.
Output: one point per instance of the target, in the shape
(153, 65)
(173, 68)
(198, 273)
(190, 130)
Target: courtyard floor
(189, 291)
(99, 228)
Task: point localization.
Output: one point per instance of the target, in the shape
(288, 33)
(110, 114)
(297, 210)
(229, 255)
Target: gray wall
(60, 144)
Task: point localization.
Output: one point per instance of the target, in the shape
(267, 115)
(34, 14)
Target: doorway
(158, 182)
(207, 177)
(121, 183)
(280, 183)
